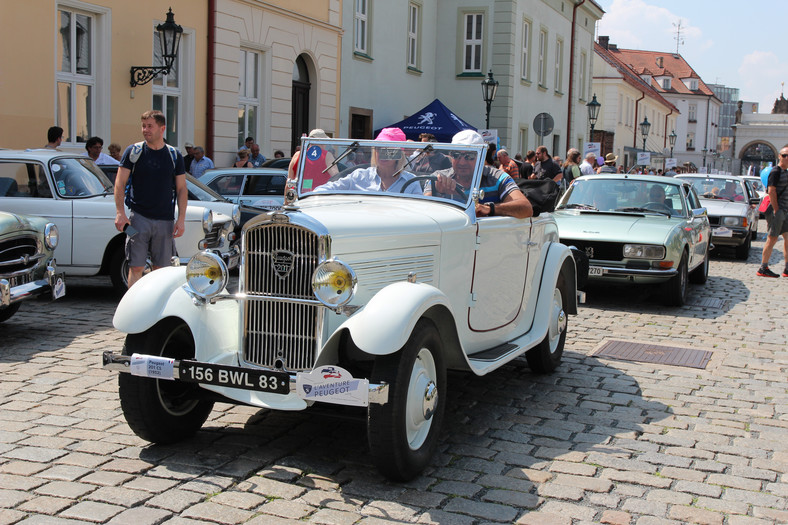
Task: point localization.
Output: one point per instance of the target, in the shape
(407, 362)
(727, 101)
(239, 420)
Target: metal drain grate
(709, 302)
(656, 354)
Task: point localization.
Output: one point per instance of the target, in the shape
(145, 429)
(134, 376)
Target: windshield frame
(339, 146)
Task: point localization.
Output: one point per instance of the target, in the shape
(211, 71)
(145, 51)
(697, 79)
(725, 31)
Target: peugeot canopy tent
(434, 118)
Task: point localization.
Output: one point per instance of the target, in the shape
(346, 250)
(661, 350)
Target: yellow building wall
(28, 62)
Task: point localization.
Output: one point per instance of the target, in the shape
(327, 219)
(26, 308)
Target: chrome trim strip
(612, 270)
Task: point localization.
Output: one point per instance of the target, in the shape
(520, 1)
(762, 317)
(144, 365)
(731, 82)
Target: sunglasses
(389, 153)
(464, 156)
(783, 155)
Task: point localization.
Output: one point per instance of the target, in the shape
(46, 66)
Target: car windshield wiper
(643, 210)
(426, 150)
(578, 206)
(350, 149)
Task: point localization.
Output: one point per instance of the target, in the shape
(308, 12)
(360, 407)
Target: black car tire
(159, 410)
(700, 274)
(676, 288)
(545, 357)
(8, 311)
(743, 250)
(404, 432)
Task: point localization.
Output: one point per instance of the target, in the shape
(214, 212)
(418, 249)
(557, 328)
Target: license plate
(596, 271)
(234, 377)
(722, 232)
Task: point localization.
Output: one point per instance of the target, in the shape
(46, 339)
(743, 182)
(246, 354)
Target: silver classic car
(27, 262)
(732, 205)
(72, 192)
(351, 295)
(638, 228)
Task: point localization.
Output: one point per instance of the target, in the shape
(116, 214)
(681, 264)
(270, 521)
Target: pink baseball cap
(391, 134)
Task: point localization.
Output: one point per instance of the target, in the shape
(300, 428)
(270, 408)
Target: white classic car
(732, 205)
(353, 297)
(71, 191)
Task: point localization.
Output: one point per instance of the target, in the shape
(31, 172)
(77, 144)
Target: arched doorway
(300, 105)
(758, 155)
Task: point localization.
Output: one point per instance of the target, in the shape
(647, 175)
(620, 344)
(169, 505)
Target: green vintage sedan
(27, 263)
(638, 228)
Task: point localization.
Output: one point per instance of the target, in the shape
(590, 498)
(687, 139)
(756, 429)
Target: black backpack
(541, 193)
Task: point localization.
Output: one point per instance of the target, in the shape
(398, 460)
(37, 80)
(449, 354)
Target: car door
(228, 185)
(500, 272)
(26, 188)
(264, 190)
(699, 229)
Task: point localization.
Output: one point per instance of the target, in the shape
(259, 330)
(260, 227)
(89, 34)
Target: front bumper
(618, 272)
(727, 236)
(16, 288)
(256, 380)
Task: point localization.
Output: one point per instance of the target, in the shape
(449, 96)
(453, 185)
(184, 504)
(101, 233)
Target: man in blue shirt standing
(156, 180)
(256, 158)
(201, 163)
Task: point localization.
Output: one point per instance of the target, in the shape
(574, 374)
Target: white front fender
(152, 298)
(383, 326)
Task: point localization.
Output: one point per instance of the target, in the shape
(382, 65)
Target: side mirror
(698, 212)
(755, 201)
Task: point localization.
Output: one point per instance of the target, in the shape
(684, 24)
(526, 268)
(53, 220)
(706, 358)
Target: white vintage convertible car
(72, 192)
(354, 297)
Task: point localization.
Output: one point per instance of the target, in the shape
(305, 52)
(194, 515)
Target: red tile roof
(631, 77)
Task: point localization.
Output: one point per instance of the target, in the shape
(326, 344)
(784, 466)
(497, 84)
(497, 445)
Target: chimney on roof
(604, 41)
(612, 47)
(659, 62)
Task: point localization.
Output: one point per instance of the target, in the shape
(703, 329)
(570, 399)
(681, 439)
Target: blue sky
(728, 42)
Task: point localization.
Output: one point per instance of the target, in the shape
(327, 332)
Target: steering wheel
(459, 189)
(658, 206)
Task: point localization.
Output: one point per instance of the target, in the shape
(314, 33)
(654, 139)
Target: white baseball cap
(467, 136)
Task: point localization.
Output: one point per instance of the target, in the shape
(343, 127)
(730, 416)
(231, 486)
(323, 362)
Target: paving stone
(694, 515)
(614, 517)
(217, 513)
(335, 517)
(91, 511)
(483, 510)
(140, 516)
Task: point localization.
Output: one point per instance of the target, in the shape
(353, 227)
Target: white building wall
(280, 36)
(383, 84)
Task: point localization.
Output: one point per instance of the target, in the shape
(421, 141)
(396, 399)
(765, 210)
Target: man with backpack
(776, 215)
(156, 178)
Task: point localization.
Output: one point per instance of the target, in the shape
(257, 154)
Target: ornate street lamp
(489, 89)
(645, 127)
(593, 114)
(170, 38)
(672, 141)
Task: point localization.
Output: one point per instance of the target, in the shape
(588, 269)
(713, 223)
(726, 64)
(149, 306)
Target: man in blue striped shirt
(501, 194)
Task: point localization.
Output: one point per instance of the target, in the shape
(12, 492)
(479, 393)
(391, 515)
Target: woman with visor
(385, 172)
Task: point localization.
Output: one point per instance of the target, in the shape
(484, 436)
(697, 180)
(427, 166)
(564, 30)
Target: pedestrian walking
(157, 180)
(776, 215)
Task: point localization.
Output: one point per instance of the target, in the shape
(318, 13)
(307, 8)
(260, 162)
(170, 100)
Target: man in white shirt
(587, 166)
(94, 145)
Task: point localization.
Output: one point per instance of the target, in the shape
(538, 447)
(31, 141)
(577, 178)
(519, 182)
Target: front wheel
(7, 311)
(743, 250)
(700, 274)
(403, 433)
(546, 356)
(676, 287)
(159, 410)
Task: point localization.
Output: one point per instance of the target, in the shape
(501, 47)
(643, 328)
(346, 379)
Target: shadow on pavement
(510, 422)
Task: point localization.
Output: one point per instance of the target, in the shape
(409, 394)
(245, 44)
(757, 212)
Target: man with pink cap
(385, 172)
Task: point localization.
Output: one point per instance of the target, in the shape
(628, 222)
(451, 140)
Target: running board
(486, 361)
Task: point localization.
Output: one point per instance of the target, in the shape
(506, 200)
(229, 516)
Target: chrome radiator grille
(279, 261)
(212, 238)
(16, 250)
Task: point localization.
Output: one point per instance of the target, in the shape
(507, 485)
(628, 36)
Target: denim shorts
(776, 222)
(153, 237)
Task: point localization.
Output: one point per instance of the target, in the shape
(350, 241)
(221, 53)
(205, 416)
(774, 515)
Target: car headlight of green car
(644, 251)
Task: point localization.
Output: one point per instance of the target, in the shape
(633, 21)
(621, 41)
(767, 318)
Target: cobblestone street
(600, 441)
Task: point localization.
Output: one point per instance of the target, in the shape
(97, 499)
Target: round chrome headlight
(207, 220)
(206, 274)
(334, 283)
(236, 215)
(51, 236)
